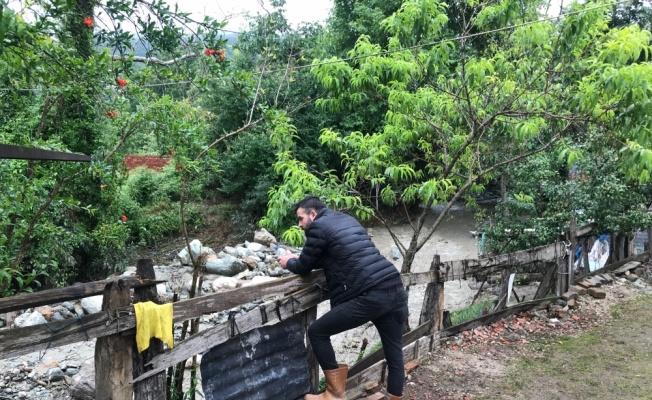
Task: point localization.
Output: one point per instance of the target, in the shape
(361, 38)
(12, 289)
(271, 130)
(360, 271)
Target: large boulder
(264, 237)
(83, 384)
(224, 283)
(255, 247)
(92, 305)
(31, 319)
(195, 249)
(225, 265)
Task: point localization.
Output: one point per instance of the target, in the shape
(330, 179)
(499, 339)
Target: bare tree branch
(154, 60)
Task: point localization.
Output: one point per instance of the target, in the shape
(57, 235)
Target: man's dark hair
(310, 203)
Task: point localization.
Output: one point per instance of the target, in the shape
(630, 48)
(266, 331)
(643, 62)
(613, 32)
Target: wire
(387, 52)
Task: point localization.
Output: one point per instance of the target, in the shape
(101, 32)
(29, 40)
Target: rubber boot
(335, 385)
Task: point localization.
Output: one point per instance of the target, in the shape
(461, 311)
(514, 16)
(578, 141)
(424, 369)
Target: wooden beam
(489, 318)
(614, 266)
(74, 292)
(11, 152)
(433, 300)
(153, 388)
(273, 311)
(113, 364)
(584, 229)
(377, 371)
(379, 354)
(19, 341)
(464, 269)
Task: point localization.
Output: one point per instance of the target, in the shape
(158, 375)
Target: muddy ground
(601, 350)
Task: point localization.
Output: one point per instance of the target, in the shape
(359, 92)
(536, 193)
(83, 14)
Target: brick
(597, 293)
(153, 162)
(572, 303)
(585, 284)
(570, 295)
(411, 365)
(576, 288)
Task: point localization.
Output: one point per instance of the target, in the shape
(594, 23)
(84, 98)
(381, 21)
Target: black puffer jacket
(352, 264)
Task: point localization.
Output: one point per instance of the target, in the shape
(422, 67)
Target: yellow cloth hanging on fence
(153, 321)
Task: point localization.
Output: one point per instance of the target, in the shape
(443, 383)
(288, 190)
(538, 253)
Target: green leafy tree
(457, 114)
(70, 81)
(543, 195)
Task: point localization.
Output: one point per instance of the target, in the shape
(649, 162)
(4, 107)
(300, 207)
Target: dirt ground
(601, 350)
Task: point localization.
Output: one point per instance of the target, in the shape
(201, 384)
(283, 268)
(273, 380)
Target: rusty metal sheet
(268, 363)
(8, 151)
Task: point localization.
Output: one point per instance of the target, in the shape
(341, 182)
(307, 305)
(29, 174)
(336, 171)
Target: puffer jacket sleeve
(312, 253)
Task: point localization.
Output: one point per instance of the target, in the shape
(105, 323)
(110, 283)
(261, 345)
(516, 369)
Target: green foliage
(544, 193)
(471, 312)
(456, 117)
(150, 201)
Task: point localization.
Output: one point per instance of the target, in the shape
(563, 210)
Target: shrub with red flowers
(88, 21)
(112, 113)
(219, 54)
(123, 218)
(121, 82)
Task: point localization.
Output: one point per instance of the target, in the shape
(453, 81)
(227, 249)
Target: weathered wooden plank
(379, 354)
(309, 316)
(489, 318)
(74, 292)
(19, 341)
(113, 363)
(463, 269)
(153, 388)
(433, 300)
(8, 151)
(377, 372)
(418, 278)
(273, 311)
(627, 267)
(643, 257)
(584, 229)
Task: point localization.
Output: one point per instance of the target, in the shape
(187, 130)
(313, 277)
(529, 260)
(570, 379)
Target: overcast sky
(296, 11)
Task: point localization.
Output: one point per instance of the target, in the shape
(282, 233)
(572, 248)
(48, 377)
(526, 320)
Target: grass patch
(472, 312)
(610, 361)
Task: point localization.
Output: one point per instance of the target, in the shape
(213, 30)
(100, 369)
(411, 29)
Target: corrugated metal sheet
(268, 363)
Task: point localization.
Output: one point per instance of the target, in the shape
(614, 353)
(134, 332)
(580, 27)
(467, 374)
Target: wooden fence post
(501, 303)
(309, 316)
(586, 248)
(154, 387)
(573, 248)
(113, 364)
(562, 275)
(549, 278)
(433, 301)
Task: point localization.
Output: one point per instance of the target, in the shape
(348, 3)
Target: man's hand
(283, 260)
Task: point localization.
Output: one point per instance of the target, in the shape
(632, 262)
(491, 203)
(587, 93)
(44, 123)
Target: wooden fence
(119, 375)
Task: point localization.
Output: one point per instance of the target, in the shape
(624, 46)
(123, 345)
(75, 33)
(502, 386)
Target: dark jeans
(387, 309)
